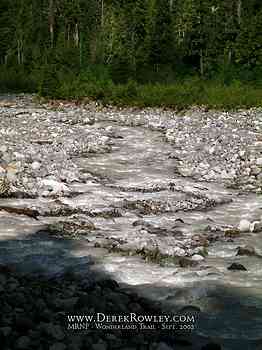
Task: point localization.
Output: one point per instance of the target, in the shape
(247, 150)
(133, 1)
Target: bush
(121, 70)
(16, 80)
(224, 91)
(49, 81)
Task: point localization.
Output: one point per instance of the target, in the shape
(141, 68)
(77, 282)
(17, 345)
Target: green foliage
(49, 81)
(17, 79)
(121, 70)
(144, 52)
(179, 95)
(249, 43)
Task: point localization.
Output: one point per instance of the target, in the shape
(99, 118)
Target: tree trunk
(102, 13)
(201, 63)
(171, 3)
(51, 20)
(80, 49)
(68, 35)
(239, 8)
(229, 56)
(76, 35)
(19, 51)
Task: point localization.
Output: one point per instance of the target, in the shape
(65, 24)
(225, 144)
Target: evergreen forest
(143, 52)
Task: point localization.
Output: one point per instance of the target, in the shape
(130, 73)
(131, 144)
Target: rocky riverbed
(166, 204)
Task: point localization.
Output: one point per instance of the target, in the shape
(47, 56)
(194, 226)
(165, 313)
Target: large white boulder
(244, 225)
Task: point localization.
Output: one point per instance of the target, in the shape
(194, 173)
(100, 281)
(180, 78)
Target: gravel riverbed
(166, 204)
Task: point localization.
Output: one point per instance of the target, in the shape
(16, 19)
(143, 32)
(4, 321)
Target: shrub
(16, 80)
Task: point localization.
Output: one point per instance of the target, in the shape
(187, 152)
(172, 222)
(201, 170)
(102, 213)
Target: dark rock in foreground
(237, 267)
(36, 313)
(211, 346)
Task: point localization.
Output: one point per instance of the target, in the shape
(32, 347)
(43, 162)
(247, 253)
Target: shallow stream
(139, 169)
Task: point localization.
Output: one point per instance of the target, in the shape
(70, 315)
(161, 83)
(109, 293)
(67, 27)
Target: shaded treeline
(147, 41)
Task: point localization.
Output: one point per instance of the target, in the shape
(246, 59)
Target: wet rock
(237, 267)
(139, 223)
(186, 262)
(52, 187)
(244, 226)
(256, 226)
(70, 228)
(232, 232)
(197, 257)
(179, 251)
(246, 251)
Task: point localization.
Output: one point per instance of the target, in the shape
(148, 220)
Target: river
(122, 172)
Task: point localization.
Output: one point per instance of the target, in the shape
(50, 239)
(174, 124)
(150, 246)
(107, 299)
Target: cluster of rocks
(42, 144)
(248, 226)
(208, 145)
(34, 315)
(174, 246)
(45, 143)
(215, 146)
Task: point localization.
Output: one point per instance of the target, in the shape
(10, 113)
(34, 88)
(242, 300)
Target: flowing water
(139, 169)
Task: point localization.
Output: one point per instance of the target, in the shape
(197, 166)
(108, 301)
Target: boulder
(237, 267)
(246, 251)
(53, 187)
(186, 262)
(244, 226)
(259, 161)
(36, 165)
(197, 257)
(256, 226)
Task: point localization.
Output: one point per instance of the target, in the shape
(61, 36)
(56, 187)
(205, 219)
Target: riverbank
(178, 95)
(72, 313)
(219, 93)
